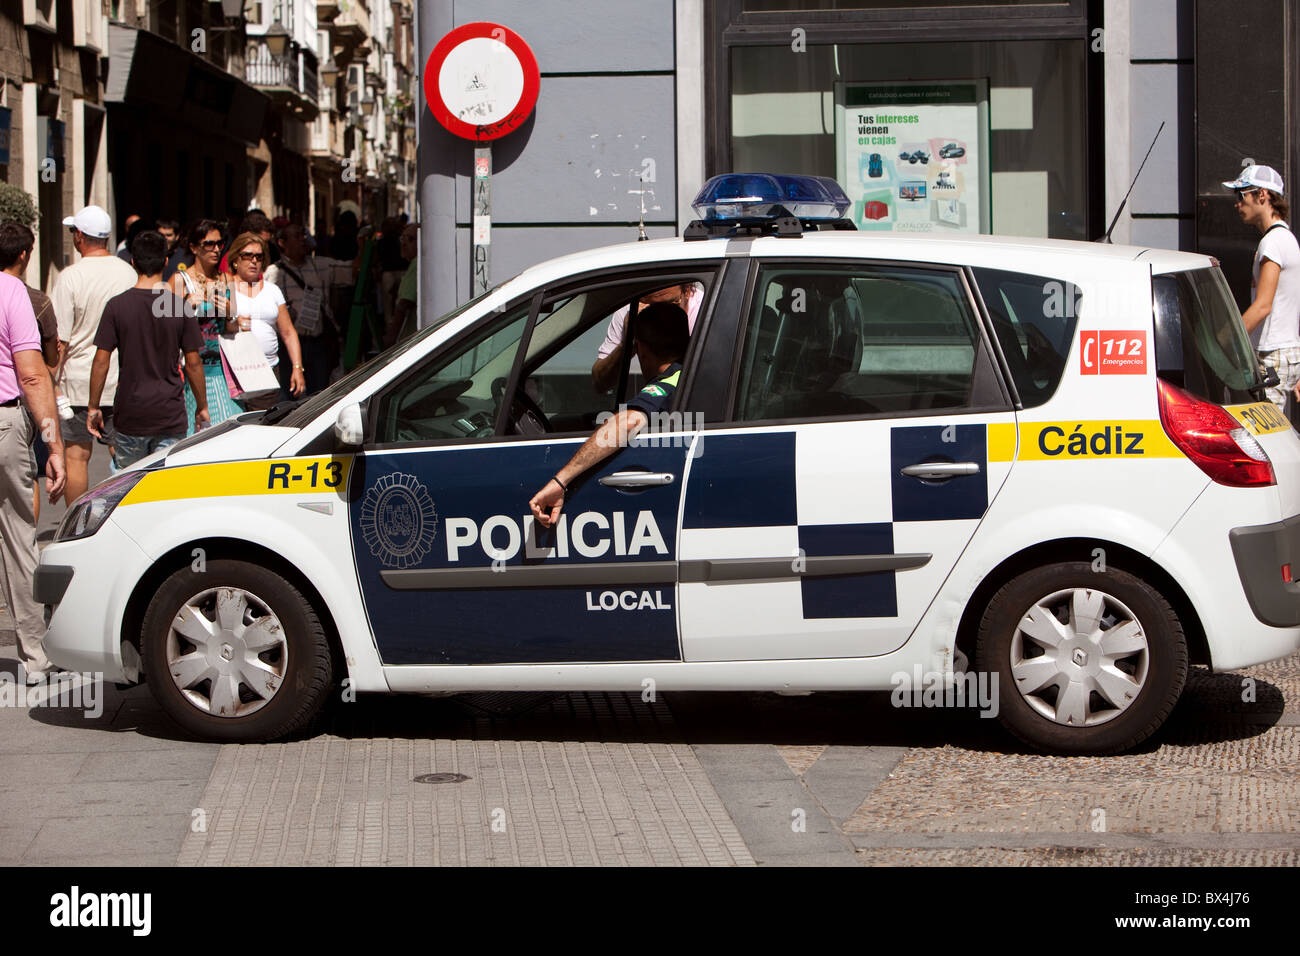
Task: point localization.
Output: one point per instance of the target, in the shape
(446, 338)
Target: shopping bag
(231, 385)
(248, 365)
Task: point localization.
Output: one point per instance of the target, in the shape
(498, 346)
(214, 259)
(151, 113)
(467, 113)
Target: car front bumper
(85, 585)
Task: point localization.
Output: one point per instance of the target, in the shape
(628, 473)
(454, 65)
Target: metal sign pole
(482, 223)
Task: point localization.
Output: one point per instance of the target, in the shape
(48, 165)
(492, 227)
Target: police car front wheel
(1088, 661)
(235, 652)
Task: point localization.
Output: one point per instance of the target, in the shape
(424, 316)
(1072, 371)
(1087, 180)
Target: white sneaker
(40, 676)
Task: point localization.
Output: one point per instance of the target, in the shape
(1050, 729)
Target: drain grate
(441, 778)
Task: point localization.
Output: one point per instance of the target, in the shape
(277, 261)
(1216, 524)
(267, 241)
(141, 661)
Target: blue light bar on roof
(768, 196)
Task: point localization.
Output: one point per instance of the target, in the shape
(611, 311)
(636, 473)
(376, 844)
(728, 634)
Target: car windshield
(303, 413)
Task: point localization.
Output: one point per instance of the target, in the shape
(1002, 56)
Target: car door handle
(637, 479)
(939, 470)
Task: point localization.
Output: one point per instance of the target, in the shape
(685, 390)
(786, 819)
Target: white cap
(1260, 177)
(92, 221)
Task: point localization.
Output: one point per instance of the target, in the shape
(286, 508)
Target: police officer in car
(661, 334)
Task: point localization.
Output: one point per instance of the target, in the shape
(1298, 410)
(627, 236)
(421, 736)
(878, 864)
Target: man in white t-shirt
(604, 373)
(1273, 318)
(79, 297)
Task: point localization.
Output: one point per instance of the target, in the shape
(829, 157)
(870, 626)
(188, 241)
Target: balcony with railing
(352, 25)
(290, 80)
(328, 134)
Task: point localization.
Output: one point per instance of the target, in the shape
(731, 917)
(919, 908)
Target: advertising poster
(914, 157)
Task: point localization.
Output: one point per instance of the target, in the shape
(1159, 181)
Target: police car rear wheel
(1096, 659)
(235, 652)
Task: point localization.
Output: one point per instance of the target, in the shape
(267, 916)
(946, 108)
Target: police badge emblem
(398, 520)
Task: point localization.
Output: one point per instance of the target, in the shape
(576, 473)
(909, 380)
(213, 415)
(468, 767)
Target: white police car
(1045, 461)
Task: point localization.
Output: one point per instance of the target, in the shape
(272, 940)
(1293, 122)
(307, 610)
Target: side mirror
(349, 429)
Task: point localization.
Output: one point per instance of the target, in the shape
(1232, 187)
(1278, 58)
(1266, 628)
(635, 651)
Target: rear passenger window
(851, 340)
(1034, 319)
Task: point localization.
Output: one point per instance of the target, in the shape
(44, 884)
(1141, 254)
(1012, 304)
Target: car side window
(1034, 318)
(558, 379)
(829, 340)
(457, 395)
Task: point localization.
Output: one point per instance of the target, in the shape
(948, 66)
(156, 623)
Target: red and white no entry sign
(481, 81)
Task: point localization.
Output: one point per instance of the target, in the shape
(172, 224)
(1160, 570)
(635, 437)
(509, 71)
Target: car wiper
(278, 411)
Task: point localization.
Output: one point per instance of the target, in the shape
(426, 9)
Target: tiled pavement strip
(583, 779)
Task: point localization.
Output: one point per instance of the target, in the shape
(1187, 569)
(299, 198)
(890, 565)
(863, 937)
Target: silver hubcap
(226, 652)
(1079, 657)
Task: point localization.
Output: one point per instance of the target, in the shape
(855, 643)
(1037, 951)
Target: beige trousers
(18, 536)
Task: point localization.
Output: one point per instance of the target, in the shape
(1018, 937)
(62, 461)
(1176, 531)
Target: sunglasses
(1243, 193)
(211, 244)
(251, 256)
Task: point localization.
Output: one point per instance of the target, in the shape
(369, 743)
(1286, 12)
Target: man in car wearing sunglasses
(1273, 318)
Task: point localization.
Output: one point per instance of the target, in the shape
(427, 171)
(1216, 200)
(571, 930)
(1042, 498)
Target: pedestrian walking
(261, 309)
(16, 244)
(125, 244)
(1273, 317)
(258, 223)
(392, 263)
(170, 230)
(209, 298)
(24, 375)
(147, 327)
(135, 226)
(403, 321)
(307, 283)
(79, 297)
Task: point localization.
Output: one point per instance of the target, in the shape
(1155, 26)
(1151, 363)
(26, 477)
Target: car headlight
(92, 509)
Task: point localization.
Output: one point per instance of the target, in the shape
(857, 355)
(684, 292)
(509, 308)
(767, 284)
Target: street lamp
(277, 39)
(232, 9)
(329, 71)
(368, 104)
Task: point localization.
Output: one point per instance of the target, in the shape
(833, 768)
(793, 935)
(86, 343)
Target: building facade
(52, 117)
(180, 109)
(1014, 117)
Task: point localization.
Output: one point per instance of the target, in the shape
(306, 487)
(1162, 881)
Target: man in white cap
(79, 297)
(1273, 318)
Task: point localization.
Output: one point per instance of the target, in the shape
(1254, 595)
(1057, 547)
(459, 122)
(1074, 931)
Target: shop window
(776, 6)
(1017, 165)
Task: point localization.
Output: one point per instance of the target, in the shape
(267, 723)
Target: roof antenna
(640, 226)
(1120, 210)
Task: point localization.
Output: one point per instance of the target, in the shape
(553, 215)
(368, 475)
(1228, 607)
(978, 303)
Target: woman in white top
(261, 309)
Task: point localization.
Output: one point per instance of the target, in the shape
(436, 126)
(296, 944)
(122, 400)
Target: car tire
(235, 653)
(1087, 661)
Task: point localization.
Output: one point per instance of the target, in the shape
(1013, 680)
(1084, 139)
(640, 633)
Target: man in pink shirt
(24, 379)
(609, 357)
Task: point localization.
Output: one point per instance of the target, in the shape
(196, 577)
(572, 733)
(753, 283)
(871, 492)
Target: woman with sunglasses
(1273, 318)
(261, 309)
(208, 292)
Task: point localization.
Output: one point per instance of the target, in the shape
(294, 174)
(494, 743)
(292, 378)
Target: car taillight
(1213, 439)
